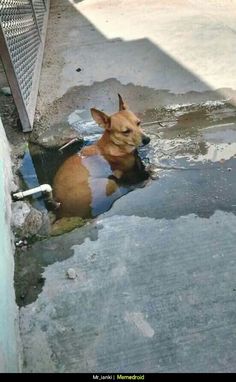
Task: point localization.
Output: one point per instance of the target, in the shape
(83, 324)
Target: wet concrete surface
(194, 155)
(154, 289)
(150, 296)
(146, 102)
(30, 264)
(178, 47)
(192, 150)
(201, 190)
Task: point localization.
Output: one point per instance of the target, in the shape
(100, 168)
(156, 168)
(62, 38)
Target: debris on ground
(71, 274)
(6, 91)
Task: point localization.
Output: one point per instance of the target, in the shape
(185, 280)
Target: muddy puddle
(195, 135)
(192, 153)
(198, 138)
(40, 165)
(193, 150)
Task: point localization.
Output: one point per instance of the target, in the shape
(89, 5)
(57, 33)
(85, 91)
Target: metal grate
(22, 36)
(39, 7)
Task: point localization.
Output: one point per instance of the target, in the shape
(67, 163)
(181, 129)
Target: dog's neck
(107, 147)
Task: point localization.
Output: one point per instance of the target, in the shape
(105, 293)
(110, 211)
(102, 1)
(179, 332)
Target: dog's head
(123, 127)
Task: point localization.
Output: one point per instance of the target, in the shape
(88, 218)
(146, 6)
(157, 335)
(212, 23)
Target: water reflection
(197, 136)
(87, 186)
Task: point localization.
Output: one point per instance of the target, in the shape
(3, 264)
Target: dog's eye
(126, 132)
(138, 123)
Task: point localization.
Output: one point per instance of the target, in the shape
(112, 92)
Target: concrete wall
(9, 356)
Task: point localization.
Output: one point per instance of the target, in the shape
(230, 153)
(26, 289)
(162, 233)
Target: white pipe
(22, 194)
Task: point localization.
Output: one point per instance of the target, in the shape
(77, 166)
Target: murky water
(204, 134)
(184, 137)
(39, 166)
(192, 150)
(100, 189)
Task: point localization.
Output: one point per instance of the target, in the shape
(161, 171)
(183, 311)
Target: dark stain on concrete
(30, 264)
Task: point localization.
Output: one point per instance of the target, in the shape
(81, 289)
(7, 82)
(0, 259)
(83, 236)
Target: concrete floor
(155, 285)
(178, 46)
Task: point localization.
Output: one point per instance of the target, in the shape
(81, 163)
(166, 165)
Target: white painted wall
(9, 335)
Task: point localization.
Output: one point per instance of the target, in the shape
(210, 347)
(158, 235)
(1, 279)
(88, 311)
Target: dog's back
(85, 186)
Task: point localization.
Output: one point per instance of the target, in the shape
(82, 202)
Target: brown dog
(89, 182)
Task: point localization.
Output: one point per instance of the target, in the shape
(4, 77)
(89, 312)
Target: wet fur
(99, 170)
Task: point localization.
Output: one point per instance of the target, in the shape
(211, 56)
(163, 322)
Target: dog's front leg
(117, 174)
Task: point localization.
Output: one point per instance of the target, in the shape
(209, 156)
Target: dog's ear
(122, 104)
(101, 118)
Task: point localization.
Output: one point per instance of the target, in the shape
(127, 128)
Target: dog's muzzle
(145, 140)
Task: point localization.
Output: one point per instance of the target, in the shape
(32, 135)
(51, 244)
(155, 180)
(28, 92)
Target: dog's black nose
(145, 140)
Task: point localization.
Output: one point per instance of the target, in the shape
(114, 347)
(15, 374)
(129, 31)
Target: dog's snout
(145, 139)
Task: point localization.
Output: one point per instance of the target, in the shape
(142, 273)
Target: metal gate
(23, 26)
